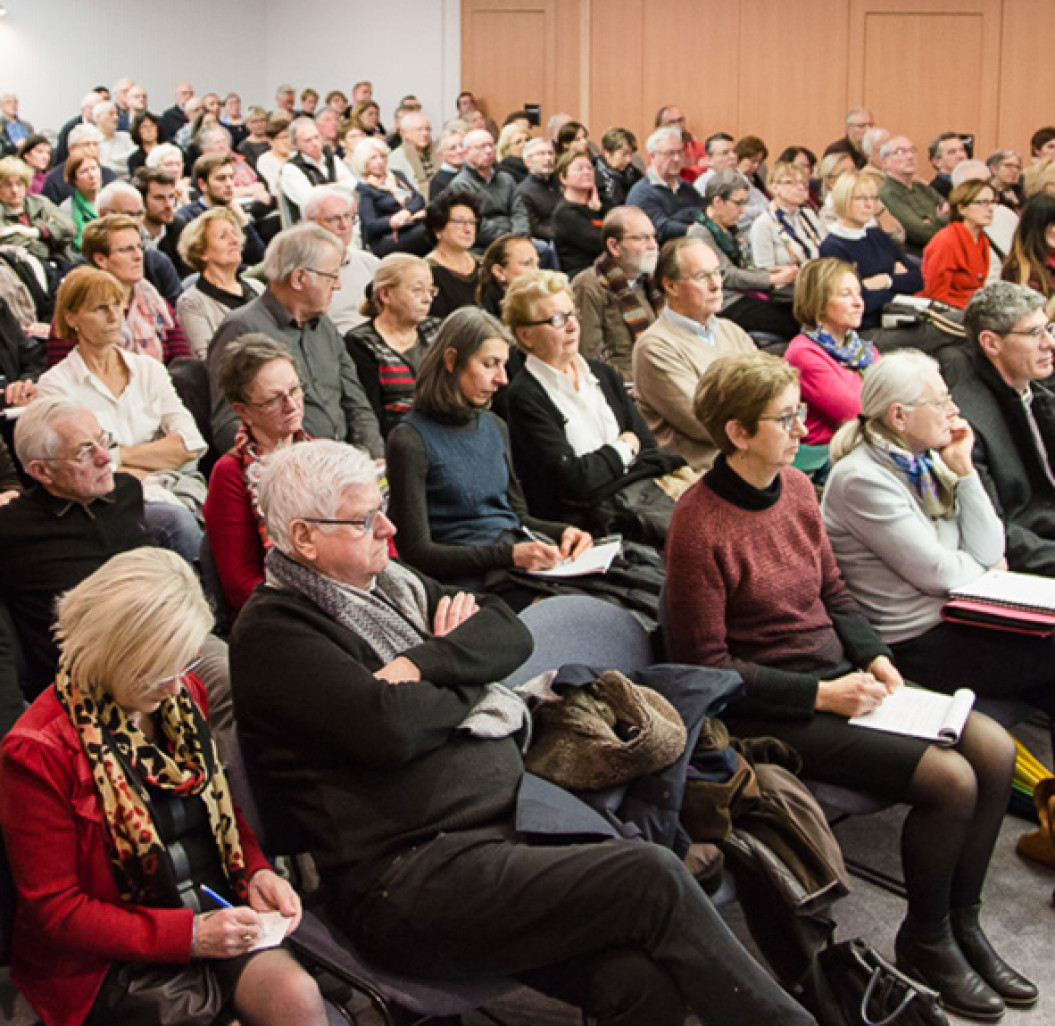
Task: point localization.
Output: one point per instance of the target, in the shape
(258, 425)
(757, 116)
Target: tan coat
(604, 334)
(668, 362)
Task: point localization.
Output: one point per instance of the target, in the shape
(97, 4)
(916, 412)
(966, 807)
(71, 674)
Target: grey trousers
(619, 928)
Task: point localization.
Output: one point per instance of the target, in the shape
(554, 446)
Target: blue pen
(210, 893)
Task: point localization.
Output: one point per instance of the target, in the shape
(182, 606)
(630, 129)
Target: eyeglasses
(902, 151)
(701, 276)
(1038, 332)
(670, 153)
(860, 124)
(463, 222)
(136, 247)
(279, 399)
(943, 402)
(166, 681)
(788, 420)
(982, 203)
(420, 291)
(325, 274)
(85, 452)
(340, 219)
(558, 320)
(367, 524)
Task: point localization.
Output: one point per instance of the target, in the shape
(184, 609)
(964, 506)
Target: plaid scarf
(931, 481)
(852, 352)
(147, 321)
(124, 761)
(612, 277)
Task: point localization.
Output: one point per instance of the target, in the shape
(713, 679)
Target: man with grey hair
(921, 211)
(1004, 392)
(115, 145)
(302, 267)
(537, 196)
(76, 515)
(333, 207)
(858, 121)
(414, 158)
(615, 296)
(84, 117)
(871, 142)
(84, 139)
(450, 151)
(394, 694)
(13, 129)
(670, 202)
(286, 99)
(173, 119)
(311, 164)
(494, 188)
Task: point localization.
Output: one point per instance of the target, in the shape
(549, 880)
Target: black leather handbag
(851, 984)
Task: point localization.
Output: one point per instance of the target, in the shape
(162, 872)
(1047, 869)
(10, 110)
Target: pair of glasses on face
(1037, 333)
(165, 682)
(558, 320)
(85, 452)
(703, 276)
(279, 400)
(367, 523)
(943, 403)
(788, 420)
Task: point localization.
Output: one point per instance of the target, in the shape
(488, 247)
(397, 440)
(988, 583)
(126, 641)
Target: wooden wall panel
(616, 66)
(509, 53)
(788, 94)
(923, 68)
(1027, 72)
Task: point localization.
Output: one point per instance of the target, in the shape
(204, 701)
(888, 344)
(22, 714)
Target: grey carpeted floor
(1017, 914)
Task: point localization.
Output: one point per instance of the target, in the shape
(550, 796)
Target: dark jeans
(619, 927)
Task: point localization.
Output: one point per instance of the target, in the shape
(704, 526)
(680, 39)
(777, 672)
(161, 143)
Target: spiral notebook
(915, 712)
(1005, 600)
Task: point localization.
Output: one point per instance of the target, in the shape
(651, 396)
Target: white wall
(53, 51)
(402, 46)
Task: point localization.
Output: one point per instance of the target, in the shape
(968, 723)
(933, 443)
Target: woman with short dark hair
(452, 219)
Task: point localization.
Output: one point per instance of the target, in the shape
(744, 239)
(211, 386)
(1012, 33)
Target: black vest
(314, 175)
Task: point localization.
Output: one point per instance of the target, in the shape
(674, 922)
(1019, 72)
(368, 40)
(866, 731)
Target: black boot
(1013, 987)
(932, 956)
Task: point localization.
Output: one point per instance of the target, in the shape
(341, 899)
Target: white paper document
(594, 560)
(914, 712)
(275, 925)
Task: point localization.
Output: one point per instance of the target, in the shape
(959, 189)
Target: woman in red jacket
(956, 260)
(118, 820)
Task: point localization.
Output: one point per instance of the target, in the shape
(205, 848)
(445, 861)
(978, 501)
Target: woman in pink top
(829, 355)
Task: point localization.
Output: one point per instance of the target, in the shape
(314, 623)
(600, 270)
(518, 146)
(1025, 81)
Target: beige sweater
(668, 362)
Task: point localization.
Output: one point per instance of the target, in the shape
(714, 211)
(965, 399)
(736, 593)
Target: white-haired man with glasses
(1004, 391)
(303, 269)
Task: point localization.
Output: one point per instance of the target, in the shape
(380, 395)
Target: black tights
(958, 797)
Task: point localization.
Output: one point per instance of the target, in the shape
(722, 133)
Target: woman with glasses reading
(858, 240)
(142, 891)
(956, 261)
(753, 586)
(389, 347)
(259, 377)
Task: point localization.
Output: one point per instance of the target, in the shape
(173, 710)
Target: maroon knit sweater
(758, 590)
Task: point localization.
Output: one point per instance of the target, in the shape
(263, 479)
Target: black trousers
(618, 927)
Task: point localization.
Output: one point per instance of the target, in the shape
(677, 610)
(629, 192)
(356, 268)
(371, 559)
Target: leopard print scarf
(123, 762)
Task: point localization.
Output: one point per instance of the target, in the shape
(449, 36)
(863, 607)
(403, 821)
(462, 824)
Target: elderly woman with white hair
(909, 519)
(169, 157)
(391, 210)
(212, 245)
(119, 826)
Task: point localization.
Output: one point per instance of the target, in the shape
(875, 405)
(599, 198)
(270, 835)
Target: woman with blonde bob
(389, 347)
(212, 245)
(829, 354)
(117, 816)
(753, 586)
(857, 239)
(787, 233)
(510, 149)
(580, 446)
(391, 210)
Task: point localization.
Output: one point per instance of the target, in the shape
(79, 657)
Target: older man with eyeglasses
(920, 208)
(1005, 393)
(302, 266)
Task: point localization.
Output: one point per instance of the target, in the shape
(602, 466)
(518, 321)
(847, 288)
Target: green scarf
(83, 212)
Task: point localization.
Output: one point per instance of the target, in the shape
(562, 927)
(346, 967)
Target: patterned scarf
(123, 761)
(853, 352)
(801, 249)
(83, 212)
(932, 481)
(724, 238)
(248, 458)
(614, 278)
(392, 617)
(147, 321)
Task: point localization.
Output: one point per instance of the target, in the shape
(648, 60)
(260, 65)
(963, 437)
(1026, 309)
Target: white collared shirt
(589, 420)
(704, 331)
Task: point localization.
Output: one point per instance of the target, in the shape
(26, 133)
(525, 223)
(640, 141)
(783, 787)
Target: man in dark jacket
(1005, 393)
(495, 188)
(362, 686)
(537, 195)
(671, 203)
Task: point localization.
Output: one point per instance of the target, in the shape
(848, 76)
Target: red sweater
(71, 923)
(759, 592)
(955, 266)
(830, 390)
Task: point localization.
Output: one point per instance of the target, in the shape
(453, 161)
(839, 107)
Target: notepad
(275, 925)
(595, 560)
(914, 712)
(1011, 590)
